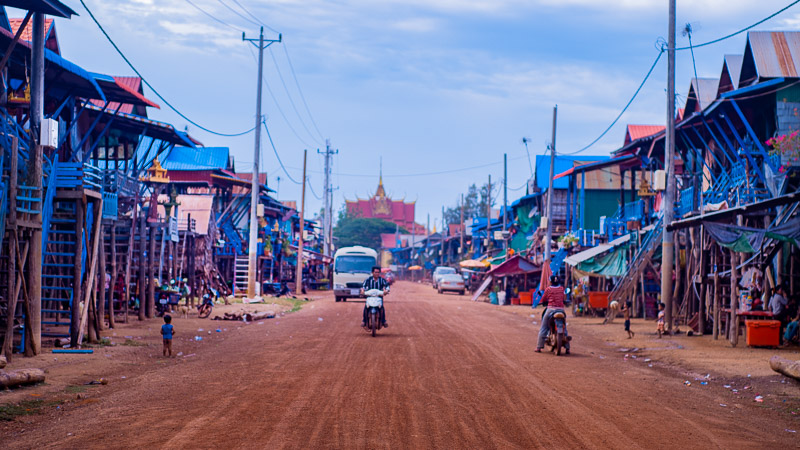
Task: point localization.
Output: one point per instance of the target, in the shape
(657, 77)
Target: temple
(382, 207)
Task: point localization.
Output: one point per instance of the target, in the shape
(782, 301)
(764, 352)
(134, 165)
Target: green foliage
(351, 231)
(9, 411)
(476, 203)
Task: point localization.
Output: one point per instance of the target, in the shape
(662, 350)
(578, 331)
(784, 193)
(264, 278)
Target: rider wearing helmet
(553, 300)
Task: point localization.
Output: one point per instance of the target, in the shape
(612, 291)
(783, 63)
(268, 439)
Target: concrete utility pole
(461, 228)
(667, 244)
(252, 257)
(33, 317)
(488, 215)
(549, 239)
(505, 200)
(327, 225)
(299, 269)
(444, 235)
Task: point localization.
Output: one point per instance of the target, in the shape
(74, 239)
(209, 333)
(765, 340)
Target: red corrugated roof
(635, 132)
(134, 86)
(27, 33)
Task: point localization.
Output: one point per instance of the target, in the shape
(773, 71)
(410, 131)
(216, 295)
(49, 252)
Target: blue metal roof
(563, 163)
(526, 198)
(200, 158)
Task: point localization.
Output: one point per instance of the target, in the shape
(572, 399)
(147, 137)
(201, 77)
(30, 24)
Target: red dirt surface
(448, 373)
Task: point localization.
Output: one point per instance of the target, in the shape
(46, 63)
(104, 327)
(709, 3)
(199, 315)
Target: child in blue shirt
(167, 331)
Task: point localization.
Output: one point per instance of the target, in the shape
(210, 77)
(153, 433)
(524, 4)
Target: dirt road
(448, 373)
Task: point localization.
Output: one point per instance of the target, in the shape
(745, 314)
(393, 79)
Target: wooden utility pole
(549, 238)
(505, 200)
(667, 242)
(444, 236)
(33, 303)
(299, 269)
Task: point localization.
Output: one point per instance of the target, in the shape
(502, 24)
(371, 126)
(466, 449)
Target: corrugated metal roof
(202, 158)
(27, 33)
(770, 54)
(562, 163)
(702, 93)
(634, 132)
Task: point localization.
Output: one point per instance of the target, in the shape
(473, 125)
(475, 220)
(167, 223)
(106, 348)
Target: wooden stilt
(717, 293)
(151, 262)
(114, 275)
(80, 216)
(734, 320)
(11, 224)
(101, 285)
(703, 300)
(142, 281)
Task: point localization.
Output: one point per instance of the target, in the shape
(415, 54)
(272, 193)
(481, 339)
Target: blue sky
(426, 85)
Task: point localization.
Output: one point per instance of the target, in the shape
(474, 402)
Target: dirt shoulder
(125, 353)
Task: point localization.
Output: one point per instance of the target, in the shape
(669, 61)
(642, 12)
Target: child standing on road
(167, 331)
(661, 315)
(626, 311)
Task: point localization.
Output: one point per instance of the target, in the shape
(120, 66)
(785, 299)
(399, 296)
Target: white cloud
(417, 25)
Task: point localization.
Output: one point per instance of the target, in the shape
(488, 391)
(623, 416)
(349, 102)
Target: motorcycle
(204, 309)
(374, 304)
(557, 338)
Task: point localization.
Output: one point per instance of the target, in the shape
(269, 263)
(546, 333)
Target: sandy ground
(448, 373)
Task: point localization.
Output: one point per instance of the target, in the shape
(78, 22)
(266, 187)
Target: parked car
(438, 272)
(452, 282)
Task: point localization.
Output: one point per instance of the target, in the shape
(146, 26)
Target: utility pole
(488, 215)
(444, 235)
(667, 244)
(298, 289)
(461, 228)
(547, 243)
(327, 225)
(252, 257)
(33, 304)
(505, 200)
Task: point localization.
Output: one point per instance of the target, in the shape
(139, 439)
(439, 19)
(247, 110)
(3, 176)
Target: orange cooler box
(515, 301)
(763, 333)
(598, 299)
(525, 298)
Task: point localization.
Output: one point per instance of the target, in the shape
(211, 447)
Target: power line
(308, 182)
(286, 89)
(280, 110)
(277, 155)
(254, 17)
(728, 36)
(646, 77)
(173, 108)
(213, 17)
(302, 97)
(237, 12)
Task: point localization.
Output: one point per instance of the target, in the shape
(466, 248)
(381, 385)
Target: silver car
(452, 282)
(438, 272)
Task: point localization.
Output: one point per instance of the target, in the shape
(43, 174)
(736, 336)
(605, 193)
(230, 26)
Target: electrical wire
(688, 31)
(728, 36)
(264, 122)
(614, 122)
(144, 80)
(423, 174)
(302, 96)
(213, 17)
(280, 110)
(308, 182)
(254, 17)
(237, 12)
(289, 96)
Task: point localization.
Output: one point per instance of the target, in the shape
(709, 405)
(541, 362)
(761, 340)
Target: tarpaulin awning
(516, 265)
(613, 264)
(474, 264)
(750, 240)
(574, 260)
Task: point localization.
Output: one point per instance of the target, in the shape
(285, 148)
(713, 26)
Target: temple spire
(381, 192)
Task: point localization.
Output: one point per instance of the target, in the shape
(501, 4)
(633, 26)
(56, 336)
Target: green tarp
(750, 240)
(613, 264)
(527, 225)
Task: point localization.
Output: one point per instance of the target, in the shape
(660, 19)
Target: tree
(476, 202)
(351, 230)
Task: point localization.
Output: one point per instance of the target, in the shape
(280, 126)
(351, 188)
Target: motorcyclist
(553, 299)
(376, 281)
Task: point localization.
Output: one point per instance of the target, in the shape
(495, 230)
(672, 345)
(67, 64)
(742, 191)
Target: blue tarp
(203, 158)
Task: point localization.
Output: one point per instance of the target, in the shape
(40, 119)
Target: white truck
(351, 266)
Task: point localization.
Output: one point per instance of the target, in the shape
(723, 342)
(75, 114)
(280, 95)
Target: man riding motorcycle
(375, 282)
(553, 300)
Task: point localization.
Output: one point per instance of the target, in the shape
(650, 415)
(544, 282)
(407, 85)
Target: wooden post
(717, 326)
(734, 320)
(142, 281)
(92, 266)
(11, 224)
(151, 262)
(114, 273)
(643, 303)
(701, 310)
(80, 216)
(101, 288)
